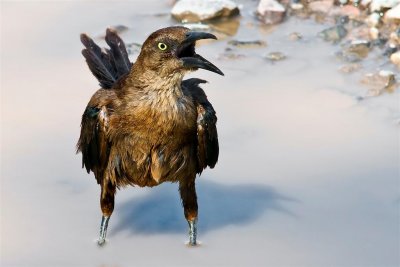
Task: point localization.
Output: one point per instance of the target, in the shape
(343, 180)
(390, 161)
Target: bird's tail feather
(106, 65)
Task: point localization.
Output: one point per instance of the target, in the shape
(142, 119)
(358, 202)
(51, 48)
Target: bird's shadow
(160, 211)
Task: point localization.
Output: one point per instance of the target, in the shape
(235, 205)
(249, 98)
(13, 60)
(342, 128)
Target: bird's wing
(207, 136)
(107, 65)
(93, 141)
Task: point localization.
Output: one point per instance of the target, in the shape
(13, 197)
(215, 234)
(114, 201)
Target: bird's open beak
(191, 60)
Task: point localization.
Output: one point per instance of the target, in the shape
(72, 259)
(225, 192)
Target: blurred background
(309, 114)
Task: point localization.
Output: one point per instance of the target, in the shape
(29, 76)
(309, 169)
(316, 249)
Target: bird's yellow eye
(162, 46)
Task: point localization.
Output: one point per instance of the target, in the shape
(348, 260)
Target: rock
(380, 42)
(395, 37)
(378, 5)
(351, 11)
(359, 33)
(355, 51)
(275, 56)
(195, 11)
(381, 82)
(228, 27)
(373, 19)
(221, 28)
(270, 11)
(395, 58)
(333, 34)
(247, 44)
(374, 33)
(356, 22)
(321, 6)
(348, 57)
(390, 49)
(394, 13)
(198, 27)
(295, 36)
(296, 5)
(320, 17)
(350, 68)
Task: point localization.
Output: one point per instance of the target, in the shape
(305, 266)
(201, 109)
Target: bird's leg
(187, 190)
(107, 207)
(192, 232)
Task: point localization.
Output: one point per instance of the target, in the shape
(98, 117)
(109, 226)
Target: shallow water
(308, 175)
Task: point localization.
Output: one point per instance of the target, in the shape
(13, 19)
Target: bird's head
(172, 51)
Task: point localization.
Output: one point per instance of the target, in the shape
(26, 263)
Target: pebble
(395, 58)
(197, 26)
(247, 44)
(373, 19)
(380, 42)
(296, 6)
(351, 11)
(333, 34)
(275, 56)
(378, 83)
(195, 11)
(395, 36)
(321, 6)
(228, 27)
(295, 36)
(270, 11)
(348, 57)
(390, 49)
(359, 47)
(350, 68)
(374, 33)
(354, 51)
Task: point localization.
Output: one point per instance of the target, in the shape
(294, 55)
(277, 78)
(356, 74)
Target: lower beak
(197, 61)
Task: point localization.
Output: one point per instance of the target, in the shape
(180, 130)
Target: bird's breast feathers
(153, 134)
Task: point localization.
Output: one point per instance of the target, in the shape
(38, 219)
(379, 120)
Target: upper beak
(192, 37)
(194, 60)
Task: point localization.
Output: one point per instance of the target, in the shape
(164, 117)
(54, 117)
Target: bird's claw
(101, 242)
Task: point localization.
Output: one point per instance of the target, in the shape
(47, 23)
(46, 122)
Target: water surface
(308, 175)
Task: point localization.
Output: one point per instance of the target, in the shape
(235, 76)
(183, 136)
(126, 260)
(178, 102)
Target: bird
(147, 125)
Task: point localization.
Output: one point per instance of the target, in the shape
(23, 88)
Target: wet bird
(146, 125)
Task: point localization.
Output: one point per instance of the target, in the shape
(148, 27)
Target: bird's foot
(103, 230)
(192, 232)
(101, 242)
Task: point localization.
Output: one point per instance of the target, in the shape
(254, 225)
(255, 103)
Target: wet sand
(308, 174)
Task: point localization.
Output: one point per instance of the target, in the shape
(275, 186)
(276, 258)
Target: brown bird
(146, 125)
